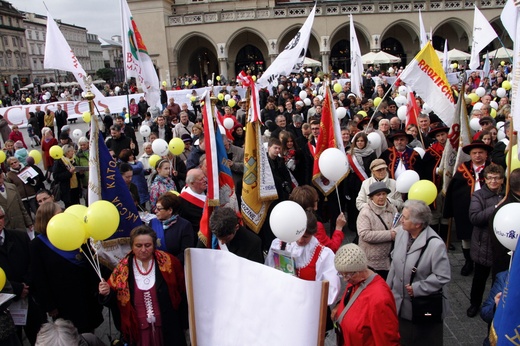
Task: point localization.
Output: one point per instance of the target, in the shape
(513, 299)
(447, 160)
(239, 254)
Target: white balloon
(229, 123)
(62, 95)
(45, 97)
(402, 113)
(374, 140)
(48, 94)
(480, 91)
(426, 108)
(314, 93)
(160, 147)
(474, 124)
(77, 133)
(127, 120)
(210, 83)
(391, 69)
(305, 80)
(400, 101)
(83, 94)
(420, 151)
(333, 164)
(501, 135)
(506, 225)
(500, 126)
(405, 181)
(288, 229)
(307, 102)
(145, 130)
(320, 97)
(341, 112)
(494, 105)
(188, 96)
(227, 97)
(117, 89)
(402, 90)
(501, 92)
(303, 94)
(477, 106)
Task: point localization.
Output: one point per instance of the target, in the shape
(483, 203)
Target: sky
(101, 17)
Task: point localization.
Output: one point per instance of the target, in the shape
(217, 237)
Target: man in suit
(61, 118)
(16, 216)
(193, 197)
(14, 260)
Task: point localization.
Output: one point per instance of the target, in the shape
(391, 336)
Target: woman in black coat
(64, 173)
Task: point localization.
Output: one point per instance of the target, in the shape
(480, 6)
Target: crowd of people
(146, 289)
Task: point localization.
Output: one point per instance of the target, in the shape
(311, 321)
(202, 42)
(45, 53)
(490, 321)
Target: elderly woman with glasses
(419, 247)
(366, 314)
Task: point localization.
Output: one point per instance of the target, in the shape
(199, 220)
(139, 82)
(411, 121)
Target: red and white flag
(413, 109)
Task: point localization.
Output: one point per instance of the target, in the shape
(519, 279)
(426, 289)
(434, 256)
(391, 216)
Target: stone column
(375, 45)
(222, 59)
(325, 61)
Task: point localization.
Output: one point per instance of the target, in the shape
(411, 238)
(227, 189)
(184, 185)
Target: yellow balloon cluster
(66, 231)
(423, 190)
(56, 152)
(176, 146)
(36, 155)
(101, 220)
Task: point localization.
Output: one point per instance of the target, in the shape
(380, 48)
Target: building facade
(35, 30)
(14, 64)
(222, 37)
(95, 52)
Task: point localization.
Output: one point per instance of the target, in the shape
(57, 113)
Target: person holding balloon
(468, 178)
(148, 285)
(64, 283)
(48, 142)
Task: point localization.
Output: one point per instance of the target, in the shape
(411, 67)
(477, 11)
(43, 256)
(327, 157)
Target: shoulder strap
(354, 297)
(382, 221)
(414, 269)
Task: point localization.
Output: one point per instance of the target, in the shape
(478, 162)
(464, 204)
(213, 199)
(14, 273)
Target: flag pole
(384, 96)
(510, 157)
(505, 50)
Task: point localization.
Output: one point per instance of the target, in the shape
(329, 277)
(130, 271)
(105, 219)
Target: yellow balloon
(377, 101)
(176, 146)
(455, 65)
(3, 279)
(503, 63)
(254, 78)
(194, 82)
(506, 85)
(153, 160)
(186, 83)
(77, 210)
(340, 71)
(127, 115)
(220, 97)
(474, 97)
(337, 88)
(423, 190)
(66, 231)
(2, 156)
(86, 117)
(36, 155)
(101, 220)
(218, 78)
(317, 80)
(164, 83)
(515, 163)
(28, 100)
(493, 112)
(56, 152)
(232, 103)
(363, 113)
(174, 192)
(193, 98)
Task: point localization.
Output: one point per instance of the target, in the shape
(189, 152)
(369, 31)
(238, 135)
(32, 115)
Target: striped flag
(413, 109)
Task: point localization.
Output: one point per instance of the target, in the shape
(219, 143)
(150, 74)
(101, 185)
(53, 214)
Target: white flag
(137, 61)
(59, 56)
(487, 66)
(445, 61)
(291, 59)
(423, 38)
(424, 74)
(483, 34)
(356, 65)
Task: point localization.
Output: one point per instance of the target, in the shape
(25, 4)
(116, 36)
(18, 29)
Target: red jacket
(332, 243)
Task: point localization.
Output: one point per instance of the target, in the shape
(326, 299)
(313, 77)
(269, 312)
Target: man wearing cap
(400, 158)
(301, 109)
(379, 171)
(183, 127)
(486, 124)
(469, 177)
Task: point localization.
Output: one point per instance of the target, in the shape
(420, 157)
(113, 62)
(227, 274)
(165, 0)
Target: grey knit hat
(350, 258)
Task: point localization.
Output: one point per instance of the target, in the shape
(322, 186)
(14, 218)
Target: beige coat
(393, 197)
(374, 238)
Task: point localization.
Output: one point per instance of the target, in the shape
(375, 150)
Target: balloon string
(337, 194)
(91, 261)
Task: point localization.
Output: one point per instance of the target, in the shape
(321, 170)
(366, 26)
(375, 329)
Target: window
(10, 21)
(1, 59)
(24, 60)
(35, 64)
(9, 61)
(21, 42)
(6, 41)
(15, 41)
(1, 20)
(38, 35)
(18, 59)
(28, 34)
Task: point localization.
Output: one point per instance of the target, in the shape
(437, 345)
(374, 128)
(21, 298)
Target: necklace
(139, 269)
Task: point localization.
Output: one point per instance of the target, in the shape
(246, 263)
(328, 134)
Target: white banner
(356, 64)
(483, 34)
(423, 39)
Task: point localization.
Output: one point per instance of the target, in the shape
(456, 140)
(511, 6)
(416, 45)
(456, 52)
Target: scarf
(359, 154)
(167, 223)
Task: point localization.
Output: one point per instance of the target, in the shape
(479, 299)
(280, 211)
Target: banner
(458, 136)
(445, 60)
(137, 61)
(291, 59)
(423, 39)
(483, 34)
(425, 75)
(356, 64)
(59, 56)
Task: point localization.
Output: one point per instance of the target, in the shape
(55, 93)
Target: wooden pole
(323, 313)
(189, 294)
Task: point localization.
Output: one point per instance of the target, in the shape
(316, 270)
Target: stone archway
(247, 48)
(196, 55)
(401, 39)
(249, 58)
(340, 46)
(313, 50)
(455, 31)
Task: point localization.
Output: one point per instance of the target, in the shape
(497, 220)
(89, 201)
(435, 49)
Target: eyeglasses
(159, 208)
(347, 276)
(494, 178)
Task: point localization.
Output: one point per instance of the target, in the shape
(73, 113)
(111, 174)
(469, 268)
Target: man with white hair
(312, 111)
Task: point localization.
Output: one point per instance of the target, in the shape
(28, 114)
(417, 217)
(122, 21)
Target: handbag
(426, 309)
(7, 327)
